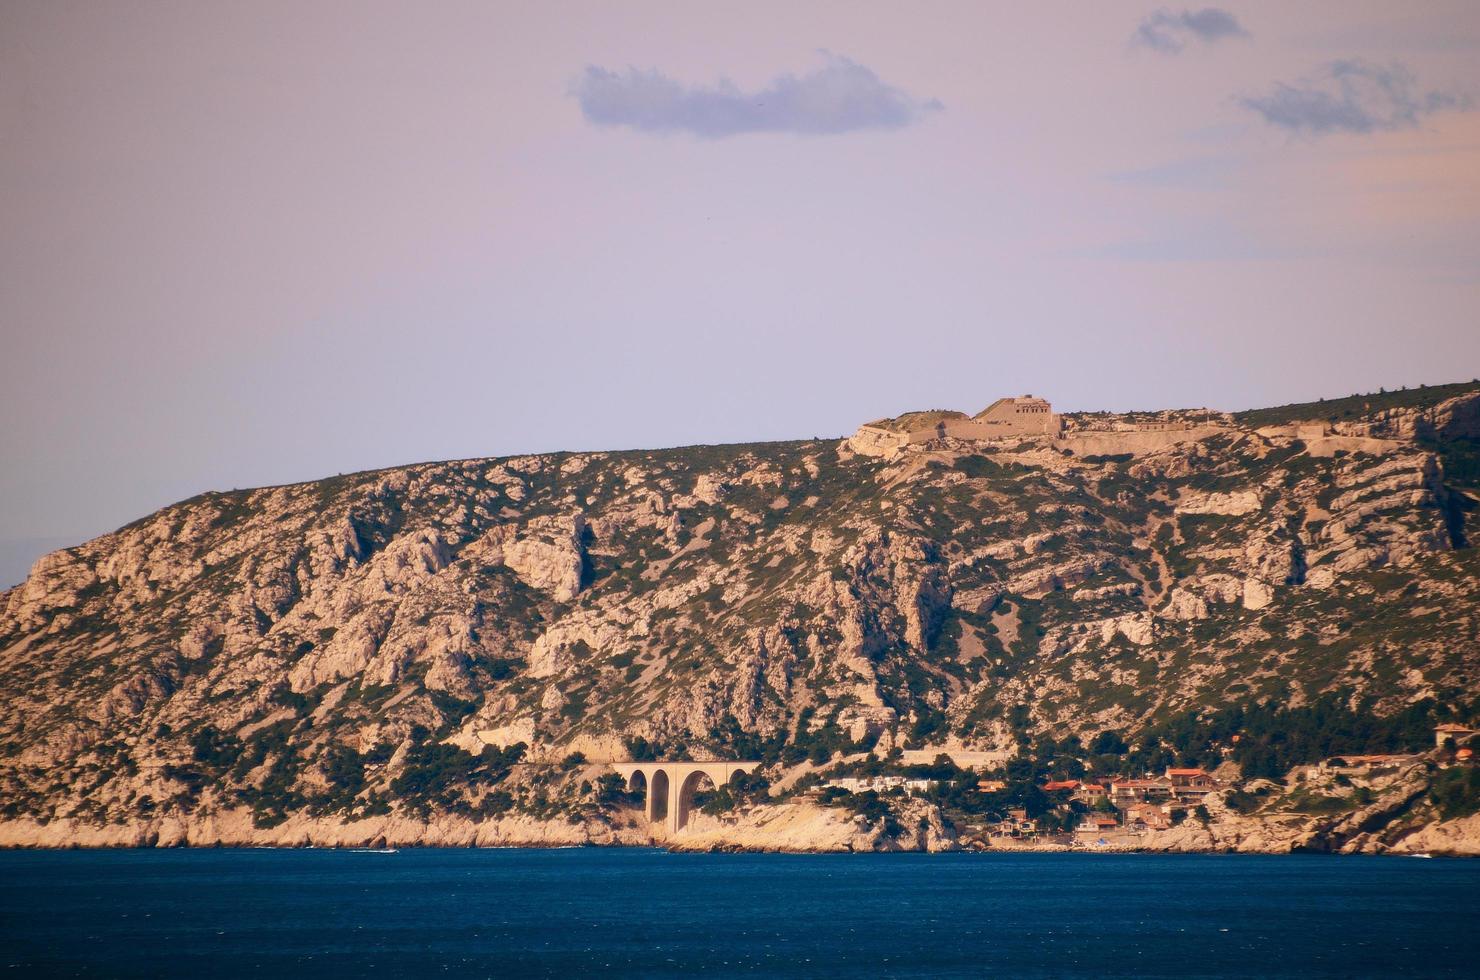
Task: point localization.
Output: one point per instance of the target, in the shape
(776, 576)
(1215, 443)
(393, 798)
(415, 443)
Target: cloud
(1352, 97)
(840, 97)
(1169, 32)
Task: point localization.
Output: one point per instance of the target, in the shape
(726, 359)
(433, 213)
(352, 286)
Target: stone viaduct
(670, 786)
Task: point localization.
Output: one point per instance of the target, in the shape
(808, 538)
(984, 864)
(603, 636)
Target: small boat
(1421, 854)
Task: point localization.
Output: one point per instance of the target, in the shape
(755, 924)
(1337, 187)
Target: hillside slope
(434, 642)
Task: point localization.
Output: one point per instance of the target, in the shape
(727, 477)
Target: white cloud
(841, 96)
(1353, 97)
(1169, 32)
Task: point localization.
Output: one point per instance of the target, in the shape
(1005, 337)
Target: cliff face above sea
(462, 645)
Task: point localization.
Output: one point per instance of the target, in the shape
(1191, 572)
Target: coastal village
(1128, 811)
(1044, 797)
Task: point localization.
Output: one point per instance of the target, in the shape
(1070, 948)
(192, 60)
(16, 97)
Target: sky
(245, 244)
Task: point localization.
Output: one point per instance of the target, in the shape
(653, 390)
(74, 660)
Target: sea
(419, 912)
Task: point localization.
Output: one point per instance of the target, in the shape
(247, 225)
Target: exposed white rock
(1235, 503)
(553, 700)
(1183, 604)
(347, 652)
(977, 600)
(57, 581)
(1257, 593)
(1139, 628)
(548, 554)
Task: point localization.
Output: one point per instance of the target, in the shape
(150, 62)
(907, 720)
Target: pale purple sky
(244, 244)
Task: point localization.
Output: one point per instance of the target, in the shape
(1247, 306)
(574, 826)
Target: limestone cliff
(367, 647)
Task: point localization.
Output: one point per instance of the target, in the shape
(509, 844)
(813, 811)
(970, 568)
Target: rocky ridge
(334, 661)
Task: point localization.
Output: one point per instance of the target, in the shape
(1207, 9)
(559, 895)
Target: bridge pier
(670, 786)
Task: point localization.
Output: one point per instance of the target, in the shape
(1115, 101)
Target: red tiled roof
(1185, 772)
(1050, 787)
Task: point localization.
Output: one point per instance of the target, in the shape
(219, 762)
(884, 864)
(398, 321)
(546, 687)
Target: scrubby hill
(465, 642)
(1372, 408)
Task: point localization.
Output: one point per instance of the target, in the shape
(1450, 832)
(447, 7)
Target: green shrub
(215, 749)
(1456, 791)
(438, 774)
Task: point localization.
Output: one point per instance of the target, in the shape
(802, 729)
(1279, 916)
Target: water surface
(638, 912)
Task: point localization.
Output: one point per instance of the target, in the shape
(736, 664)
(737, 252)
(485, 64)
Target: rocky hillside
(468, 640)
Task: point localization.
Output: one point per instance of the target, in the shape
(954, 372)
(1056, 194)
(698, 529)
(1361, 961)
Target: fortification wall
(869, 441)
(1327, 446)
(1322, 442)
(1103, 443)
(987, 429)
(1025, 416)
(1304, 431)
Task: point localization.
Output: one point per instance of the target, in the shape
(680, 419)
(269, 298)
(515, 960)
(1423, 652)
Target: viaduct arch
(670, 785)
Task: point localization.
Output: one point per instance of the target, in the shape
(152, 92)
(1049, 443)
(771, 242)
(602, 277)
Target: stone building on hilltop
(1005, 418)
(1025, 416)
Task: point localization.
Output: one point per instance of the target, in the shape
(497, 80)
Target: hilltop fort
(1005, 418)
(1361, 424)
(1030, 418)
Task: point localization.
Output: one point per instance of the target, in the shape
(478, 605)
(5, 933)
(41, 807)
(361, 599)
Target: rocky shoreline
(784, 828)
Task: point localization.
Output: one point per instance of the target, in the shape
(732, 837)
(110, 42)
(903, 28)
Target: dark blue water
(255, 913)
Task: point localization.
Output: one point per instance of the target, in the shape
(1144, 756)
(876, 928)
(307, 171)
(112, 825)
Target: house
(1097, 823)
(1190, 785)
(1091, 793)
(1190, 779)
(1017, 823)
(991, 785)
(1058, 786)
(1145, 816)
(1125, 791)
(1453, 734)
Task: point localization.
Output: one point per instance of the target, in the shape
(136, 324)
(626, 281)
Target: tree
(611, 789)
(750, 787)
(641, 750)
